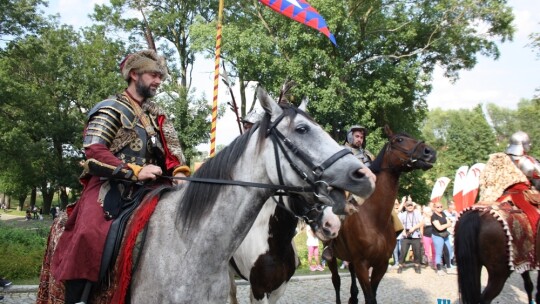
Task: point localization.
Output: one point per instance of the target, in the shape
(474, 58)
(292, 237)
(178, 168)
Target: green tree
(461, 137)
(47, 81)
(18, 17)
(168, 23)
(508, 121)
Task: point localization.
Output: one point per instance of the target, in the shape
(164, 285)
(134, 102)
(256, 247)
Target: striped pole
(216, 82)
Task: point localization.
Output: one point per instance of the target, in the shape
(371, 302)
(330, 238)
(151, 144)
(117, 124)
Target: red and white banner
(470, 189)
(438, 189)
(459, 184)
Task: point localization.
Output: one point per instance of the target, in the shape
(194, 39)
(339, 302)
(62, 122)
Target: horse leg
(362, 274)
(353, 299)
(527, 282)
(537, 297)
(232, 289)
(376, 277)
(336, 280)
(497, 276)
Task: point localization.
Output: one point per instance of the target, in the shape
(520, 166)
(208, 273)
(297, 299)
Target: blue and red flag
(301, 11)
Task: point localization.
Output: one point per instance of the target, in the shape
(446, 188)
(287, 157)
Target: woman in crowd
(440, 237)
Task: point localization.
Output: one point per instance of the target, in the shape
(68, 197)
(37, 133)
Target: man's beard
(146, 91)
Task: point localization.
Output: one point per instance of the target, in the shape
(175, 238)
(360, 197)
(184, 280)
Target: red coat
(80, 248)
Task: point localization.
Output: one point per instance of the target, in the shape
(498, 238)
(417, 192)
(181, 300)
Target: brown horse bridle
(410, 160)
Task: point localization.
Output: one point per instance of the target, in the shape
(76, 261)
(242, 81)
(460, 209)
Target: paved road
(407, 288)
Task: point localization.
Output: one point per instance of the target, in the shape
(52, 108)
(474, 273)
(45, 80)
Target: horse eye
(302, 129)
(399, 139)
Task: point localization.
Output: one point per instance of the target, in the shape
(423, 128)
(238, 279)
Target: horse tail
(466, 249)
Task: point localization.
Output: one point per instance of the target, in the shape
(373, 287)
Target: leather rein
(281, 142)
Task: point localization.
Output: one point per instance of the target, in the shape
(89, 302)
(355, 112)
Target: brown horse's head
(404, 153)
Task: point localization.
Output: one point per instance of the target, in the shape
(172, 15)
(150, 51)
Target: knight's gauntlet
(98, 168)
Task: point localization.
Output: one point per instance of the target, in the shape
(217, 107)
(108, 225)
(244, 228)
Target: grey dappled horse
(196, 229)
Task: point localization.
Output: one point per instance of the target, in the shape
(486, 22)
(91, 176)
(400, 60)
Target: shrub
(21, 250)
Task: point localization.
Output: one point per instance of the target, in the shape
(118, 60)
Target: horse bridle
(282, 142)
(410, 160)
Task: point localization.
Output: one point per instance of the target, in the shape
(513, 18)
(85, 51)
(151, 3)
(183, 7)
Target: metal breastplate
(141, 150)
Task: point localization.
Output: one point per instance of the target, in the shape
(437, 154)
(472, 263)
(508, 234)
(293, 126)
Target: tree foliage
(48, 81)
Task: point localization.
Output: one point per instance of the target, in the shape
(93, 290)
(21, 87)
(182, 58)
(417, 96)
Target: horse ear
(303, 104)
(388, 131)
(269, 105)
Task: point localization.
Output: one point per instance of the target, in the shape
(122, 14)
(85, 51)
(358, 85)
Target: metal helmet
(519, 144)
(252, 117)
(356, 128)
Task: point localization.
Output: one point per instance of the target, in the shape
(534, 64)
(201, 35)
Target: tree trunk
(33, 196)
(64, 198)
(48, 194)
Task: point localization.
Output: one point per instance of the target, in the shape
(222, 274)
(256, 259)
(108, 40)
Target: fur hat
(143, 61)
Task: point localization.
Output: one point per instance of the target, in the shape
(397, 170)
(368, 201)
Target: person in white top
(313, 250)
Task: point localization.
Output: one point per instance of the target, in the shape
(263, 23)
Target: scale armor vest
(113, 122)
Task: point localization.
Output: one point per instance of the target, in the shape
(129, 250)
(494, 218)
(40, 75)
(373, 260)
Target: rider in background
(127, 139)
(356, 142)
(250, 119)
(518, 147)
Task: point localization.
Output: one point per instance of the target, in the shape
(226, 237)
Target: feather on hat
(143, 62)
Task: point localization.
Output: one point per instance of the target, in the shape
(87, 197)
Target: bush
(22, 251)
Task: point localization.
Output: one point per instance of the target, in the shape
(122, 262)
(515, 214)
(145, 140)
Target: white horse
(195, 230)
(267, 257)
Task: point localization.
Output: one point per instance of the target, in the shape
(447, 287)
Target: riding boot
(75, 290)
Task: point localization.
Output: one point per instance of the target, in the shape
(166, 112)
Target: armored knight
(518, 148)
(127, 140)
(356, 142)
(250, 119)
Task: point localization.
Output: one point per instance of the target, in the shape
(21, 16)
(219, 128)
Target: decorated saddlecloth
(520, 235)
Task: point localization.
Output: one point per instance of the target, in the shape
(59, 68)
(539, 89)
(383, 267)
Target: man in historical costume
(518, 149)
(127, 139)
(356, 142)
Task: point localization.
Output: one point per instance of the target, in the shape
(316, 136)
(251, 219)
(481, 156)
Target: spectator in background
(313, 250)
(412, 221)
(53, 212)
(395, 255)
(440, 237)
(427, 241)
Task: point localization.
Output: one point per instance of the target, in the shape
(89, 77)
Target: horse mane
(199, 197)
(376, 165)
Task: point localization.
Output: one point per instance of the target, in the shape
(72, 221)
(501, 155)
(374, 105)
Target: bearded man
(127, 140)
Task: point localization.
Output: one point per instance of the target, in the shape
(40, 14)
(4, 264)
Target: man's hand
(149, 172)
(179, 181)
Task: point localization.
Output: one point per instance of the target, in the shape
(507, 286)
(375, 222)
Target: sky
(515, 75)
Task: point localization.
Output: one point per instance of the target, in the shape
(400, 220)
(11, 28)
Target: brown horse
(480, 240)
(496, 233)
(367, 237)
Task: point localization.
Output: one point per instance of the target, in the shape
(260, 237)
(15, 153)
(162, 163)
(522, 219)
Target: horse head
(405, 153)
(320, 217)
(316, 160)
